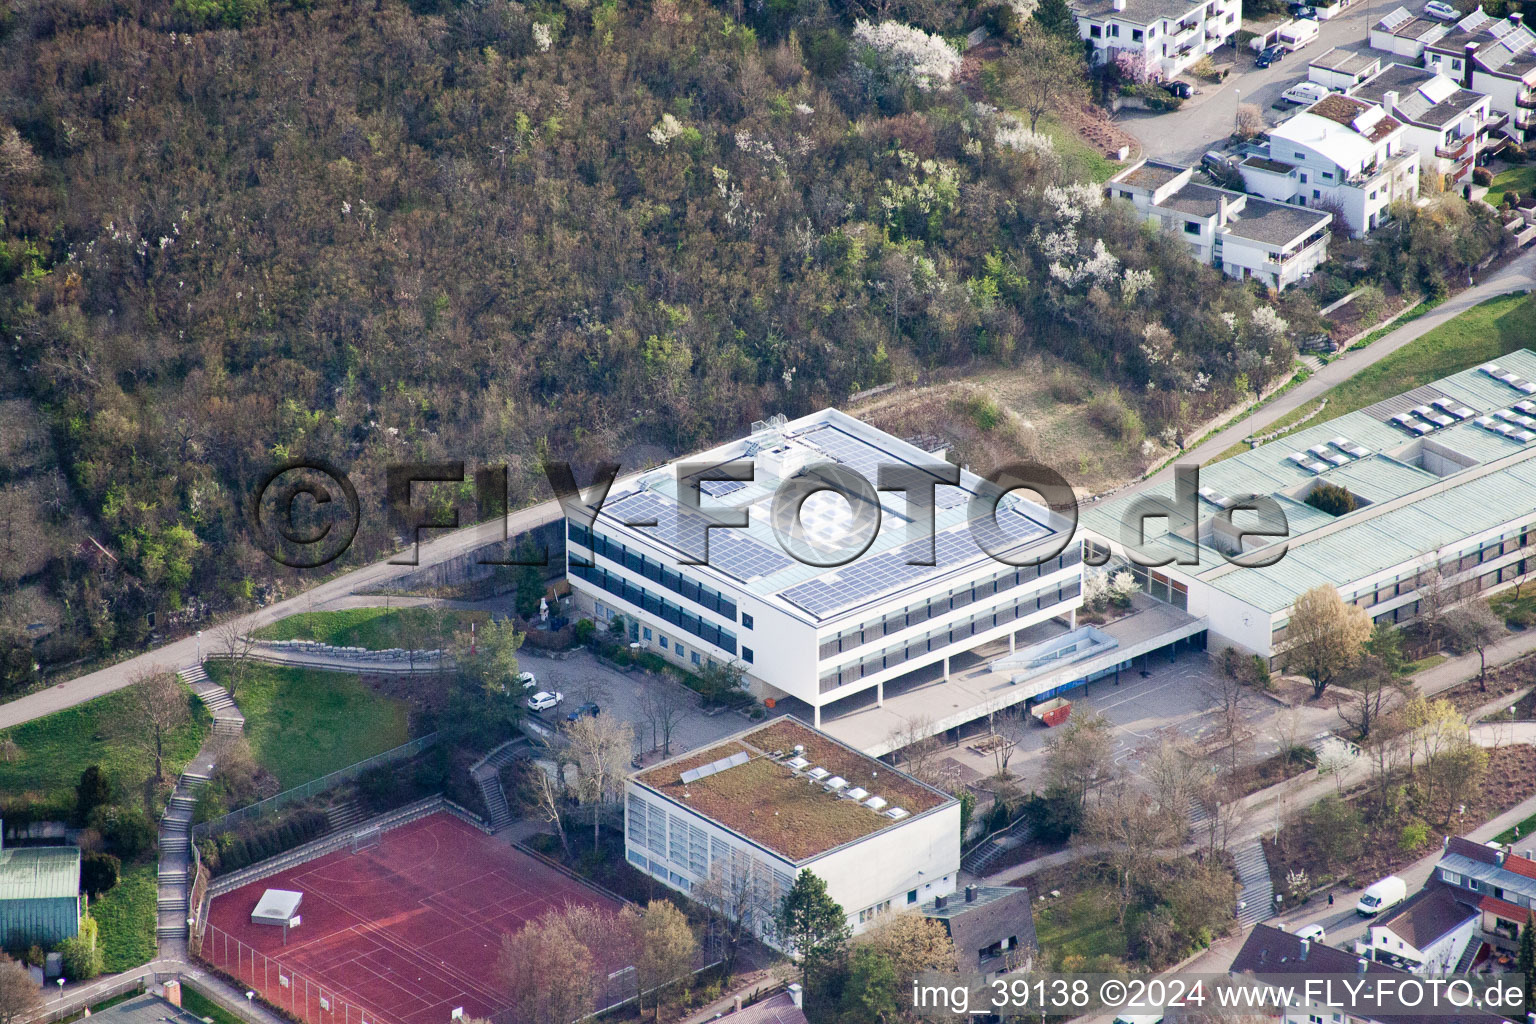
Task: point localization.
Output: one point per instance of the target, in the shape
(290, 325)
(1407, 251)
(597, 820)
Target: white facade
(1402, 34)
(1444, 123)
(1342, 152)
(1494, 57)
(890, 869)
(1341, 70)
(1437, 957)
(1169, 35)
(788, 628)
(1247, 238)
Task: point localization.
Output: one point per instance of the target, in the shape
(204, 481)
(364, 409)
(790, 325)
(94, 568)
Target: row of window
(1498, 892)
(870, 913)
(659, 606)
(958, 597)
(941, 638)
(649, 827)
(1160, 587)
(643, 565)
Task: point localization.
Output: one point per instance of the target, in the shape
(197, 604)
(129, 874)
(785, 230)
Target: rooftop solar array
(732, 552)
(720, 488)
(715, 767)
(891, 570)
(1396, 19)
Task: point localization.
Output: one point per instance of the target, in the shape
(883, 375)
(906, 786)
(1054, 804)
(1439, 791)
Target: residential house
(1168, 35)
(1271, 953)
(784, 1008)
(1429, 933)
(1342, 70)
(987, 924)
(1405, 34)
(1500, 882)
(754, 810)
(1243, 236)
(1445, 123)
(1340, 152)
(1496, 57)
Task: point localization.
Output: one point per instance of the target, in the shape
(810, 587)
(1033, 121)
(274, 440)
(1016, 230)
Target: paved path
(77, 995)
(339, 590)
(1518, 275)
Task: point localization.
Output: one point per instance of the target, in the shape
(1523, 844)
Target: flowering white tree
(1015, 136)
(1122, 586)
(665, 130)
(908, 55)
(1268, 323)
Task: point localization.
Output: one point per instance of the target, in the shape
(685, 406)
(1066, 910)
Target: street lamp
(249, 996)
(199, 647)
(60, 981)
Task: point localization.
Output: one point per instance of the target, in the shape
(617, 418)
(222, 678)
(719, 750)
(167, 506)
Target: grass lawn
(302, 724)
(1423, 663)
(1081, 924)
(1076, 152)
(1525, 827)
(126, 917)
(376, 629)
(57, 748)
(1521, 178)
(1486, 331)
(201, 1006)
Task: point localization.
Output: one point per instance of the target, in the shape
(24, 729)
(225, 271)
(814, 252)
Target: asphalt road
(1209, 116)
(332, 593)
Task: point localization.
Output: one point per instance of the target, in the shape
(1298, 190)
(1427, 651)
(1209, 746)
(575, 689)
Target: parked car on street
(589, 708)
(527, 681)
(544, 700)
(1179, 89)
(1270, 55)
(1312, 933)
(1382, 895)
(1441, 11)
(1303, 11)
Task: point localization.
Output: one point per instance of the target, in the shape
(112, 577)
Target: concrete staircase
(173, 895)
(487, 773)
(344, 816)
(1257, 895)
(227, 719)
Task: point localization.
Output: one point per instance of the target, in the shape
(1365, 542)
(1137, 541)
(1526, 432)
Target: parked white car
(1305, 93)
(1312, 933)
(527, 681)
(544, 700)
(1442, 11)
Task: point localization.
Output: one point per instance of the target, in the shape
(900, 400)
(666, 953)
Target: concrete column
(816, 712)
(946, 668)
(1013, 643)
(1072, 619)
(880, 694)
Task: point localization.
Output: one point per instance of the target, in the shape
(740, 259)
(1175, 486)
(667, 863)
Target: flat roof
(1274, 223)
(1140, 12)
(1149, 174)
(753, 559)
(1346, 61)
(39, 872)
(1482, 479)
(785, 808)
(277, 905)
(1424, 96)
(144, 1009)
(1198, 200)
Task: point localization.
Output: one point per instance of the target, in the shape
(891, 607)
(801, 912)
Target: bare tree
(1008, 729)
(734, 900)
(544, 793)
(1079, 758)
(235, 646)
(1473, 626)
(156, 706)
(920, 752)
(600, 748)
(1373, 691)
(20, 996)
(1250, 120)
(1131, 829)
(1046, 72)
(664, 705)
(1435, 597)
(1178, 776)
(1231, 704)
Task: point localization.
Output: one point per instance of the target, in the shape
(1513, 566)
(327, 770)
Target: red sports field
(401, 933)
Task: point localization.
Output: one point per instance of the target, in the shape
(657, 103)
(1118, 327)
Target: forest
(371, 231)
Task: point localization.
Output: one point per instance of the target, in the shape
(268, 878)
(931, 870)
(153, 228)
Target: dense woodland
(372, 231)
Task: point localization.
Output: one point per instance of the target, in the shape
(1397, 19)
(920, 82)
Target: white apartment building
(751, 812)
(819, 632)
(1243, 236)
(1446, 124)
(1170, 34)
(1342, 151)
(1496, 57)
(1443, 479)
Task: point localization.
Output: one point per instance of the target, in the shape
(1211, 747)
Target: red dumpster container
(1052, 712)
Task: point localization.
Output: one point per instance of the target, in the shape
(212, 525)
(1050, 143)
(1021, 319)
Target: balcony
(1526, 102)
(1456, 151)
(1306, 251)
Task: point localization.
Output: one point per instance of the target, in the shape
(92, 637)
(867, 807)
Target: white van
(1305, 93)
(1382, 895)
(1297, 34)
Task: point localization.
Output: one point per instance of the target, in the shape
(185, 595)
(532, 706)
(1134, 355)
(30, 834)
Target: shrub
(1231, 662)
(1332, 499)
(984, 413)
(1482, 176)
(81, 955)
(584, 631)
(92, 791)
(1413, 837)
(126, 830)
(1515, 154)
(1108, 411)
(98, 873)
(1258, 669)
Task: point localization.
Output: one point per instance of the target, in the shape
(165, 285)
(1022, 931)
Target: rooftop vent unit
(1518, 419)
(818, 773)
(856, 793)
(1451, 408)
(1350, 448)
(1439, 419)
(797, 762)
(1326, 454)
(875, 803)
(1405, 422)
(896, 813)
(835, 783)
(1217, 498)
(1509, 430)
(1529, 408)
(1310, 465)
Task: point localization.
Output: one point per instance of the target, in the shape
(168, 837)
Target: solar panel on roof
(738, 758)
(691, 775)
(720, 488)
(733, 552)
